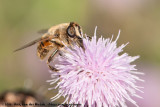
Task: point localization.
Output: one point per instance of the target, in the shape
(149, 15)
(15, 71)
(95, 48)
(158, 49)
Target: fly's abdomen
(43, 49)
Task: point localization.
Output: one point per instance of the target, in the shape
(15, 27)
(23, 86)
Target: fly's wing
(42, 31)
(28, 45)
(46, 36)
(32, 43)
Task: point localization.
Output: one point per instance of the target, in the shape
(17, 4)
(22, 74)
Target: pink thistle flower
(98, 77)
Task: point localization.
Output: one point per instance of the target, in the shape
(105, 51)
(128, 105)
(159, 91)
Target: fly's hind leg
(50, 59)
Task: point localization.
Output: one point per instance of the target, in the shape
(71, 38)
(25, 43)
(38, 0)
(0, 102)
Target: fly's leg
(50, 59)
(89, 37)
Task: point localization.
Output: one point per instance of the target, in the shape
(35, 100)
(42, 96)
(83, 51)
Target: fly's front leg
(50, 59)
(89, 37)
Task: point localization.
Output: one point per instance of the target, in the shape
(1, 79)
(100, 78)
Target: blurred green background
(20, 20)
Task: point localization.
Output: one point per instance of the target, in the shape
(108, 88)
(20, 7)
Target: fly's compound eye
(71, 31)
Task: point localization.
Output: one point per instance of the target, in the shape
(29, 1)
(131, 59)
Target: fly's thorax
(58, 28)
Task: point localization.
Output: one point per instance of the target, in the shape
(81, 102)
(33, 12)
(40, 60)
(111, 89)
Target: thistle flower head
(99, 76)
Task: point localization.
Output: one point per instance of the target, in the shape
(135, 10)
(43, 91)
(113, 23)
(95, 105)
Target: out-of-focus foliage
(139, 21)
